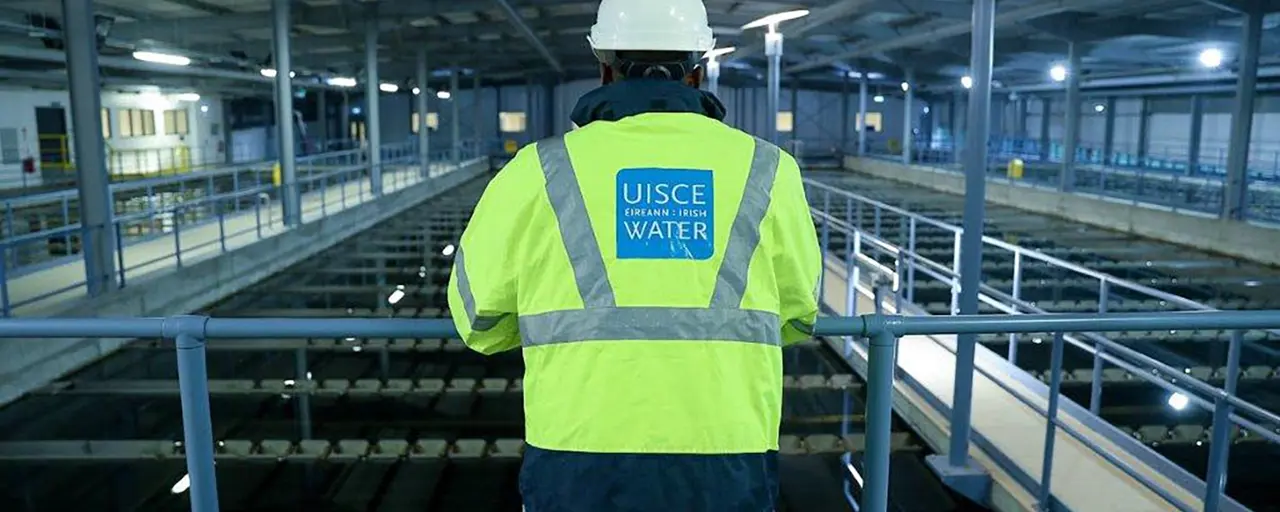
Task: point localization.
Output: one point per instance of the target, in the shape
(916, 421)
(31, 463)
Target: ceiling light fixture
(966, 81)
(341, 81)
(162, 58)
(388, 87)
(773, 20)
(1211, 58)
(1058, 73)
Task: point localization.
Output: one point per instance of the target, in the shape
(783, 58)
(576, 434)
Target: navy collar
(626, 98)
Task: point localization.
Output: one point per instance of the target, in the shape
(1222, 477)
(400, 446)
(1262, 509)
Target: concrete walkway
(44, 292)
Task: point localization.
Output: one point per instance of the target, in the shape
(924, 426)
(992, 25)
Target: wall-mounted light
(417, 91)
(1099, 108)
(341, 81)
(878, 98)
(1058, 73)
(906, 87)
(966, 81)
(271, 73)
(444, 95)
(390, 88)
(1211, 58)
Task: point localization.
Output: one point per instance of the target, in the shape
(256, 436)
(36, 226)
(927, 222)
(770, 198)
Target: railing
(868, 249)
(1164, 182)
(242, 215)
(190, 335)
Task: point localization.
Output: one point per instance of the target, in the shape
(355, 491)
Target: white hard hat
(652, 25)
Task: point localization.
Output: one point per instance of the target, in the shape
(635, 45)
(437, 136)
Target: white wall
(18, 111)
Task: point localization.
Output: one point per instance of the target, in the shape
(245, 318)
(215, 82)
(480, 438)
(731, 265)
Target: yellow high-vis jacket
(651, 269)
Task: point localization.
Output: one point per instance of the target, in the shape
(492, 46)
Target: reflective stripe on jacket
(651, 269)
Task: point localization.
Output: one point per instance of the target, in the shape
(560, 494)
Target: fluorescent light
(271, 73)
(1058, 73)
(448, 250)
(162, 58)
(1099, 108)
(966, 81)
(711, 55)
(182, 485)
(1178, 401)
(341, 81)
(395, 297)
(188, 96)
(878, 99)
(417, 91)
(906, 87)
(774, 19)
(1211, 58)
(854, 74)
(874, 75)
(388, 87)
(444, 95)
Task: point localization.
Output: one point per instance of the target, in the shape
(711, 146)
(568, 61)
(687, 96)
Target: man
(651, 265)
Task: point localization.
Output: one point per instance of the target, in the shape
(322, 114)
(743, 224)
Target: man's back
(651, 268)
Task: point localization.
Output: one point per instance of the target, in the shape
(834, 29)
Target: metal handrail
(1221, 400)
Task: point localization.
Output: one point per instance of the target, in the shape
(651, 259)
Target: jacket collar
(626, 98)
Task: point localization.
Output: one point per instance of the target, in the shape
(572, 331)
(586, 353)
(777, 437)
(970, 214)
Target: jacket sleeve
(482, 285)
(797, 260)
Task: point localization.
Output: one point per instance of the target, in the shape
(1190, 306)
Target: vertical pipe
(1236, 201)
(197, 423)
(290, 195)
(1050, 424)
(1109, 133)
(322, 116)
(875, 463)
(424, 132)
(454, 118)
(1144, 112)
(773, 49)
(1095, 385)
(908, 117)
(974, 209)
(1197, 128)
(1066, 179)
(1046, 113)
(862, 113)
(1220, 444)
(844, 114)
(93, 185)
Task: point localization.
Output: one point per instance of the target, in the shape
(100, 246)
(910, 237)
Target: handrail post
(1017, 296)
(197, 422)
(826, 237)
(1215, 481)
(1045, 495)
(911, 260)
(304, 396)
(875, 462)
(1095, 386)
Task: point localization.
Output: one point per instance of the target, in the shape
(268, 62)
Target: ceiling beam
(201, 5)
(523, 28)
(926, 35)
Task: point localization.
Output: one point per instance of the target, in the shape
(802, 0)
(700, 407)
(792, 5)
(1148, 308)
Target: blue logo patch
(665, 214)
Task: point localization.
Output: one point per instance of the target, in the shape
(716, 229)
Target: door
(51, 130)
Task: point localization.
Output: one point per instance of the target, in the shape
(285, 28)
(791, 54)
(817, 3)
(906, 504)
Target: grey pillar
(455, 118)
(477, 106)
(529, 119)
(1046, 116)
(549, 106)
(290, 195)
(844, 114)
(1109, 133)
(908, 118)
(344, 118)
(1067, 179)
(1197, 128)
(1024, 105)
(773, 49)
(424, 98)
(975, 169)
(862, 114)
(795, 112)
(1236, 202)
(1144, 113)
(322, 116)
(372, 100)
(228, 139)
(96, 218)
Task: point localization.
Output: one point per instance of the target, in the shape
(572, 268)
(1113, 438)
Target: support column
(844, 114)
(455, 117)
(1197, 128)
(477, 106)
(1236, 201)
(1144, 113)
(773, 49)
(424, 98)
(908, 117)
(955, 468)
(372, 100)
(322, 118)
(1046, 116)
(1109, 132)
(1067, 179)
(529, 119)
(344, 118)
(1024, 106)
(290, 195)
(549, 104)
(97, 230)
(228, 137)
(795, 112)
(862, 114)
(957, 128)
